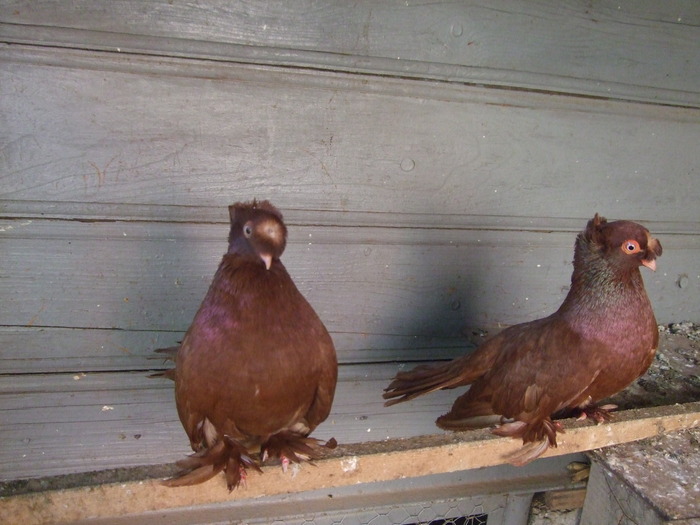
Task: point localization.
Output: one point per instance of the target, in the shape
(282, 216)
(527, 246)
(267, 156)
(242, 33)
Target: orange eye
(630, 246)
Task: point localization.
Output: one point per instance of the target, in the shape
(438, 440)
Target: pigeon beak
(267, 259)
(651, 264)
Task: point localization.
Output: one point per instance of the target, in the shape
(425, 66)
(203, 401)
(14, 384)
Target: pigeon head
(625, 244)
(257, 230)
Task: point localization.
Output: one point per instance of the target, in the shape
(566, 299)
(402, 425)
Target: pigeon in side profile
(602, 337)
(256, 371)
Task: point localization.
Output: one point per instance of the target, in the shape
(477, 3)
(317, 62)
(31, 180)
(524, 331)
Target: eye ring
(630, 246)
(248, 229)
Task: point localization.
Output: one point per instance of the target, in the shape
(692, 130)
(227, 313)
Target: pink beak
(650, 264)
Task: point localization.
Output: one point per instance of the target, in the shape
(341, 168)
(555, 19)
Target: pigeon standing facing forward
(602, 337)
(256, 370)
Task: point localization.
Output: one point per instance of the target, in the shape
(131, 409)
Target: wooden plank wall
(434, 163)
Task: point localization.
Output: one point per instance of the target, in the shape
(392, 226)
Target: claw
(599, 414)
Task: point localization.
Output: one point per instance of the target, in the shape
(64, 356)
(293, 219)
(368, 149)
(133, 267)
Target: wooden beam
(347, 465)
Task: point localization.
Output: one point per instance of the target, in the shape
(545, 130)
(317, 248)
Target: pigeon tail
(170, 355)
(425, 379)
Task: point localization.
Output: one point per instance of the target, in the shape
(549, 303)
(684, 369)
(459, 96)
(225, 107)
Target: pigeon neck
(596, 284)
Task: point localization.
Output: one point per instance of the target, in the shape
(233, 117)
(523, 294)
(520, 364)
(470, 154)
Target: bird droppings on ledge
(376, 462)
(350, 464)
(386, 459)
(687, 328)
(674, 376)
(674, 458)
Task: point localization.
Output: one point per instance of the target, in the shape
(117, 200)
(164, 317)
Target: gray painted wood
(63, 423)
(110, 129)
(384, 294)
(50, 349)
(642, 50)
(117, 172)
(611, 500)
(621, 489)
(419, 207)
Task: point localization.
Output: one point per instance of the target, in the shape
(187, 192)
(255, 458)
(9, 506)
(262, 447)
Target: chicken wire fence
(452, 512)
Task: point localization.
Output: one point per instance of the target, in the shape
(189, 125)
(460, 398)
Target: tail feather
(170, 355)
(167, 374)
(466, 415)
(425, 379)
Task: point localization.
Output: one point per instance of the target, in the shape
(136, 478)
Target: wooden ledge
(347, 465)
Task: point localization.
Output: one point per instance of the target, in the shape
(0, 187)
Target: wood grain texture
(67, 423)
(49, 349)
(94, 137)
(622, 491)
(384, 294)
(91, 128)
(433, 455)
(642, 50)
(422, 199)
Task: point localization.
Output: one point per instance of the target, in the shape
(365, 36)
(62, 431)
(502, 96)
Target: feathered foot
(292, 447)
(599, 414)
(528, 452)
(227, 455)
(537, 438)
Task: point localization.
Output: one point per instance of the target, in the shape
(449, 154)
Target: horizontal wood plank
(52, 350)
(68, 423)
(384, 293)
(55, 424)
(124, 212)
(87, 128)
(640, 50)
(351, 465)
(367, 197)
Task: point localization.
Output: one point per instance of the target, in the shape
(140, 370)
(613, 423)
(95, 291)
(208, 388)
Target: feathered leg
(227, 455)
(599, 414)
(537, 438)
(292, 447)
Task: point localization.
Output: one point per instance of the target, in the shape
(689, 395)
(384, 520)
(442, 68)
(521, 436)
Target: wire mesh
(448, 512)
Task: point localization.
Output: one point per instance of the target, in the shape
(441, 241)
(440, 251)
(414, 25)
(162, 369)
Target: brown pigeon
(256, 371)
(602, 337)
